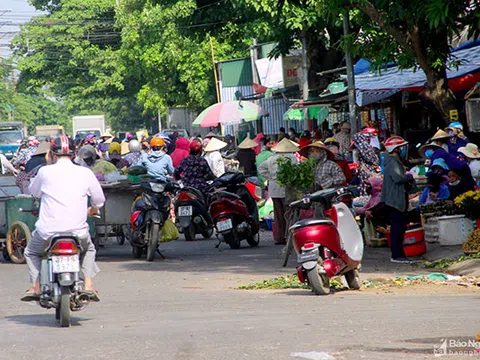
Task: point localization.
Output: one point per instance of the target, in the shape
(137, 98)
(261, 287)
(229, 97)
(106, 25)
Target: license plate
(63, 264)
(185, 211)
(224, 225)
(309, 256)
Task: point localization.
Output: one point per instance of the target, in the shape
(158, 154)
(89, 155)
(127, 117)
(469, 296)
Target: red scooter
(329, 245)
(234, 210)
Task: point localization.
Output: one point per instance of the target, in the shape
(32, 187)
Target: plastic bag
(169, 231)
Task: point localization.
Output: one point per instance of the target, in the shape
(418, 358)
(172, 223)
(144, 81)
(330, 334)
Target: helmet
(114, 146)
(331, 142)
(134, 146)
(157, 141)
(369, 131)
(196, 145)
(90, 139)
(129, 137)
(394, 142)
(136, 219)
(455, 125)
(62, 145)
(32, 141)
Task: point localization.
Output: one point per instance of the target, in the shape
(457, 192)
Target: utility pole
(255, 78)
(305, 89)
(350, 76)
(215, 76)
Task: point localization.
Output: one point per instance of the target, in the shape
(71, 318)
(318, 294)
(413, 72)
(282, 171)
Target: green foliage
(298, 176)
(286, 282)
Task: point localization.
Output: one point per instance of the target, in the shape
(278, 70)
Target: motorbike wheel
(233, 241)
(353, 279)
(253, 240)
(64, 307)
(189, 232)
(320, 283)
(153, 237)
(137, 251)
(207, 234)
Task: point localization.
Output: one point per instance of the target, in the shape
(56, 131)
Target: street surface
(188, 307)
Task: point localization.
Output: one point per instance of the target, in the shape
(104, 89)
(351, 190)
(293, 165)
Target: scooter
(149, 213)
(60, 283)
(330, 245)
(234, 210)
(191, 212)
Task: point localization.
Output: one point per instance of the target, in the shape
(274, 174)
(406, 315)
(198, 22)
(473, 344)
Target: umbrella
(294, 114)
(230, 112)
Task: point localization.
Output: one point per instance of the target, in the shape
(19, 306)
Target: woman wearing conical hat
(213, 156)
(246, 156)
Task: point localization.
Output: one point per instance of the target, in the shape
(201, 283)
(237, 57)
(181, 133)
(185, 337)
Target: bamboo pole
(217, 89)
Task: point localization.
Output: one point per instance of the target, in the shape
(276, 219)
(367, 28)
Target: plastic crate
(453, 230)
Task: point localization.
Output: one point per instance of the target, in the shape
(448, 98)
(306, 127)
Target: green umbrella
(294, 114)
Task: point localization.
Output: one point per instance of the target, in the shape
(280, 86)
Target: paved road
(188, 307)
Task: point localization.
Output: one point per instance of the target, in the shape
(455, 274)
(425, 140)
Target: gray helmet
(134, 146)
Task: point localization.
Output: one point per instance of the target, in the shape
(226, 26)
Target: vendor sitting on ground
(435, 190)
(373, 188)
(456, 184)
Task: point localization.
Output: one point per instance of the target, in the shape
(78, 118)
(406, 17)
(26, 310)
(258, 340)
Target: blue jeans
(397, 232)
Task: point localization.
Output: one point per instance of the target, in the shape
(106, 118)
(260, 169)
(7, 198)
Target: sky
(12, 14)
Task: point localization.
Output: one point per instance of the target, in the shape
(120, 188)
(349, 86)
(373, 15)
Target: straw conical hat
(424, 148)
(214, 145)
(210, 135)
(43, 148)
(106, 134)
(317, 144)
(440, 134)
(247, 144)
(285, 146)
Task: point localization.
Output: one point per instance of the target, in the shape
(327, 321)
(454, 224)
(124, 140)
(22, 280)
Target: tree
(414, 34)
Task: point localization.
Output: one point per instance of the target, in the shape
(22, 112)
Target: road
(189, 307)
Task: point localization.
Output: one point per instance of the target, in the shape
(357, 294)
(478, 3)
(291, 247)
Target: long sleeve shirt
(64, 189)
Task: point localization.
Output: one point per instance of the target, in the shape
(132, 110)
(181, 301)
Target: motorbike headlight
(147, 199)
(156, 187)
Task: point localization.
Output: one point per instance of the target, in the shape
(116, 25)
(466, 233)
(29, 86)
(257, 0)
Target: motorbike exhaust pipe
(199, 220)
(82, 299)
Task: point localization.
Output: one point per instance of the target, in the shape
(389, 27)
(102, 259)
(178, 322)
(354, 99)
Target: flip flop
(30, 297)
(93, 295)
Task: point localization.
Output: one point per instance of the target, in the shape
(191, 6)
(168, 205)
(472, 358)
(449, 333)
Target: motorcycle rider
(64, 189)
(135, 153)
(194, 170)
(25, 154)
(157, 162)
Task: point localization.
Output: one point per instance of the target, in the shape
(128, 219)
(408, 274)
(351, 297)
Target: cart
(114, 217)
(17, 220)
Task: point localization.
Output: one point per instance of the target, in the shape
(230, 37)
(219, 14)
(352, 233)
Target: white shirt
(64, 189)
(475, 168)
(216, 163)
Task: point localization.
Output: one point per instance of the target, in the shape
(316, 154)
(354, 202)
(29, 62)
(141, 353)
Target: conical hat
(214, 145)
(285, 146)
(43, 148)
(317, 144)
(424, 148)
(210, 135)
(106, 135)
(247, 144)
(440, 134)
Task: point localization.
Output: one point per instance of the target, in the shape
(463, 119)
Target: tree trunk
(442, 97)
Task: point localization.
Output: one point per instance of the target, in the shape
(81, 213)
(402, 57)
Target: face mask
(451, 133)
(290, 133)
(429, 153)
(403, 152)
(315, 157)
(455, 183)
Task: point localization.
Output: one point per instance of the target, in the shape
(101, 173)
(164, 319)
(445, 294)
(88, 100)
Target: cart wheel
(18, 237)
(121, 236)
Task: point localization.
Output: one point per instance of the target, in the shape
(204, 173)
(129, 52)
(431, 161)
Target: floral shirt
(194, 172)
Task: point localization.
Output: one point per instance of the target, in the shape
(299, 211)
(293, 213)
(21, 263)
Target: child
(435, 190)
(456, 184)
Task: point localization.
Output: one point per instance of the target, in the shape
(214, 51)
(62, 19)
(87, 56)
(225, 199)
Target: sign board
(291, 67)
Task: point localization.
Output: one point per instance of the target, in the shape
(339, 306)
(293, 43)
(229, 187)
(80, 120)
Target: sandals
(93, 295)
(29, 296)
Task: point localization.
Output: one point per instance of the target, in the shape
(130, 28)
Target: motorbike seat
(229, 178)
(310, 222)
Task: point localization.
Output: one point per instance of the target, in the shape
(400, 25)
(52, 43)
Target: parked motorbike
(330, 244)
(60, 283)
(191, 211)
(234, 210)
(150, 211)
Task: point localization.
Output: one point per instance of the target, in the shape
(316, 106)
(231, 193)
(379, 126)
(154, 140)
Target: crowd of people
(381, 169)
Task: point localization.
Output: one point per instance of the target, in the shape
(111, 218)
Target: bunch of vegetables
(299, 176)
(441, 208)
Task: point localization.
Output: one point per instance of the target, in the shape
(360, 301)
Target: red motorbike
(329, 245)
(234, 210)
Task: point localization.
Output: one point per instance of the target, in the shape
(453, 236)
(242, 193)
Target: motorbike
(330, 244)
(234, 210)
(149, 213)
(191, 212)
(60, 282)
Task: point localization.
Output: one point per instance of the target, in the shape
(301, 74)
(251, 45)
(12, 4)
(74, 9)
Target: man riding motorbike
(194, 170)
(135, 152)
(157, 162)
(64, 189)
